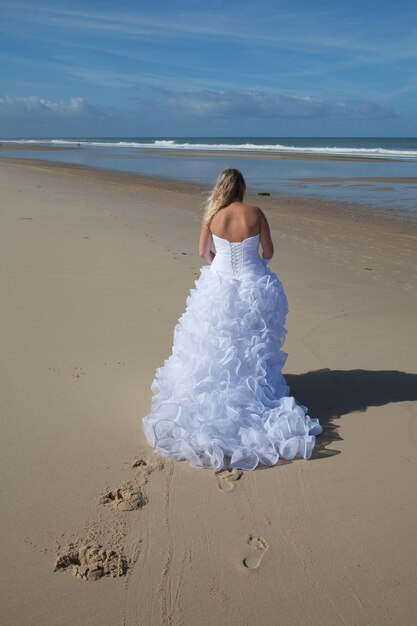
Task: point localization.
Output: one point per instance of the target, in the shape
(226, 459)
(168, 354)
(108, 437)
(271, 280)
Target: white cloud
(202, 103)
(361, 109)
(230, 104)
(35, 108)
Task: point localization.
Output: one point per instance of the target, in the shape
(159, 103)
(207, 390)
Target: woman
(221, 400)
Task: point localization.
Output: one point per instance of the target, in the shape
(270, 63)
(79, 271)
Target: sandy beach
(95, 271)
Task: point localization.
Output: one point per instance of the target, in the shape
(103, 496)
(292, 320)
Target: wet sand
(333, 210)
(25, 147)
(250, 154)
(359, 179)
(95, 270)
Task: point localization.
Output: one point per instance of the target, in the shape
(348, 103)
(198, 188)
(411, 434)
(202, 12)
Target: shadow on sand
(329, 394)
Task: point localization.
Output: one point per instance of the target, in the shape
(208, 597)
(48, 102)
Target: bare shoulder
(257, 215)
(249, 209)
(262, 216)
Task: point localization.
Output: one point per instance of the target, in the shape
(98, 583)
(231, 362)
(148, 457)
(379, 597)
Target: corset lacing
(236, 257)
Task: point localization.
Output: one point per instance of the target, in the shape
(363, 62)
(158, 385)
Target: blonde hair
(230, 187)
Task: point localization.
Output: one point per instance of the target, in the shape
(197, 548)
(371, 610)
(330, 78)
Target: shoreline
(249, 154)
(358, 179)
(401, 223)
(289, 156)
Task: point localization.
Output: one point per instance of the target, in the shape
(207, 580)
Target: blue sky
(167, 68)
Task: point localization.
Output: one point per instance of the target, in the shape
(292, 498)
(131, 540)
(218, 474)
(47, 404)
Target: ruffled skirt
(220, 400)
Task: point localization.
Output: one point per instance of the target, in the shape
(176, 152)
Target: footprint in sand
(145, 467)
(253, 560)
(228, 477)
(78, 372)
(127, 497)
(91, 561)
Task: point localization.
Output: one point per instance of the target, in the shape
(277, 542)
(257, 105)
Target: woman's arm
(266, 240)
(204, 248)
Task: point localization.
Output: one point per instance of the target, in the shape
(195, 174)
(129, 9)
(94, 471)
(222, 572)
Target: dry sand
(95, 270)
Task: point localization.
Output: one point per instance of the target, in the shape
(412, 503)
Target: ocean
(388, 182)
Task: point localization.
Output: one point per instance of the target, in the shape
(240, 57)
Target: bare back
(239, 221)
(236, 222)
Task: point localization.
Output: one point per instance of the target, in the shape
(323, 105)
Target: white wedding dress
(220, 400)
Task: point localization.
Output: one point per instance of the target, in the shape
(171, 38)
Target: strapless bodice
(236, 258)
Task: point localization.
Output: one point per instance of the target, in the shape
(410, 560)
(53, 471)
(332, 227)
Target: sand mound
(91, 562)
(127, 497)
